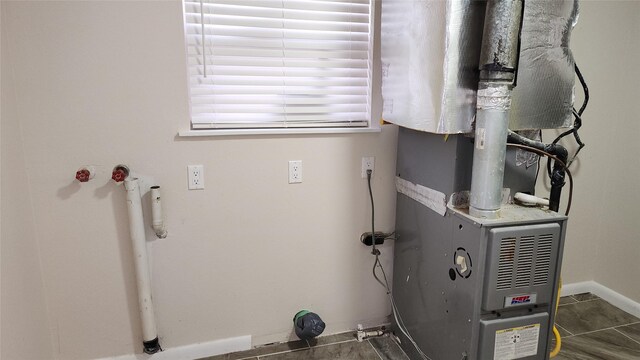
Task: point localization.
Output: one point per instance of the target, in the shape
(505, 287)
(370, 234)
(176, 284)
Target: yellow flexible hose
(556, 349)
(556, 333)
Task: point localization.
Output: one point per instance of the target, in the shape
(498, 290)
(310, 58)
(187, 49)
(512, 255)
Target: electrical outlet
(368, 162)
(295, 171)
(196, 177)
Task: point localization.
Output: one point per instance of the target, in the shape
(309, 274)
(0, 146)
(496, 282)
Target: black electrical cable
(515, 76)
(585, 90)
(554, 158)
(535, 181)
(577, 137)
(373, 212)
(574, 131)
(577, 124)
(385, 283)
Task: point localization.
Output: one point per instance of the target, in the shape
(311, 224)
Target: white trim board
(278, 131)
(193, 351)
(616, 299)
(240, 343)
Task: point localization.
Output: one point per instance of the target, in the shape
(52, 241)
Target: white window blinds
(279, 63)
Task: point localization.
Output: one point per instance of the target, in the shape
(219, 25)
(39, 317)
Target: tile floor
(591, 329)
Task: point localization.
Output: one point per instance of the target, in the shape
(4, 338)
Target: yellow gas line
(556, 333)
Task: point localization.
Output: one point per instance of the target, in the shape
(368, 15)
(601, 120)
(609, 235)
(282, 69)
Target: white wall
(104, 83)
(24, 326)
(603, 240)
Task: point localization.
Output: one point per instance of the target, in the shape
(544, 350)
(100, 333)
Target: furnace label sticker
(430, 198)
(516, 343)
(518, 300)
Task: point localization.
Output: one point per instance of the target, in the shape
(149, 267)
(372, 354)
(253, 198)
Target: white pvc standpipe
(140, 258)
(156, 213)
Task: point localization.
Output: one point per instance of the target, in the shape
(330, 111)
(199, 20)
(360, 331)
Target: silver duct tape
(433, 199)
(527, 158)
(494, 98)
(430, 51)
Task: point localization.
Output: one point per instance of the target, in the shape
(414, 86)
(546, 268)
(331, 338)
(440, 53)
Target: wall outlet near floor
(368, 163)
(295, 171)
(196, 177)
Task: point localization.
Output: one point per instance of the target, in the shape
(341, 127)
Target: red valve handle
(83, 175)
(118, 175)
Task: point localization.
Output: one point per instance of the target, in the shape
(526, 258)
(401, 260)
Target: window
(256, 64)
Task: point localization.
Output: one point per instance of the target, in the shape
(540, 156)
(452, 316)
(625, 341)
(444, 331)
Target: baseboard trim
(193, 351)
(578, 288)
(240, 343)
(620, 301)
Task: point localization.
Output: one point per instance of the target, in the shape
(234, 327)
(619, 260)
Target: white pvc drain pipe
(141, 261)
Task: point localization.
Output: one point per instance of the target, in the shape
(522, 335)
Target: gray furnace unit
(476, 275)
(466, 287)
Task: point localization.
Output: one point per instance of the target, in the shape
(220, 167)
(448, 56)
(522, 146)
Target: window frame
(374, 95)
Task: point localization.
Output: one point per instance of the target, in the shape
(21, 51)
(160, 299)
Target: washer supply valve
(120, 172)
(85, 173)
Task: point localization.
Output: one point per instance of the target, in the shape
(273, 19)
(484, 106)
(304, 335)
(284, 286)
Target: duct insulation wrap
(544, 95)
(430, 57)
(430, 52)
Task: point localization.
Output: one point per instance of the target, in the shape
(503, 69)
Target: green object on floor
(300, 314)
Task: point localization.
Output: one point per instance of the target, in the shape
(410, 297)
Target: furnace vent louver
(517, 258)
(521, 261)
(543, 260)
(525, 261)
(505, 267)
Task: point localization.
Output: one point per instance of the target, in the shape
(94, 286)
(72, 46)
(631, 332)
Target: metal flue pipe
(498, 66)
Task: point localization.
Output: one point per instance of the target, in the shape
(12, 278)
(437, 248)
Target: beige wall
(24, 325)
(603, 240)
(105, 82)
(616, 73)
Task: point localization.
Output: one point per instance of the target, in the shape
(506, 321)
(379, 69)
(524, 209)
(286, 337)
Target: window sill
(300, 131)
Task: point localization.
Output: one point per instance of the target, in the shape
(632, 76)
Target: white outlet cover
(295, 171)
(195, 177)
(368, 162)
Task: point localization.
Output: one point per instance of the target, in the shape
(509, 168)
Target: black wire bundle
(577, 123)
